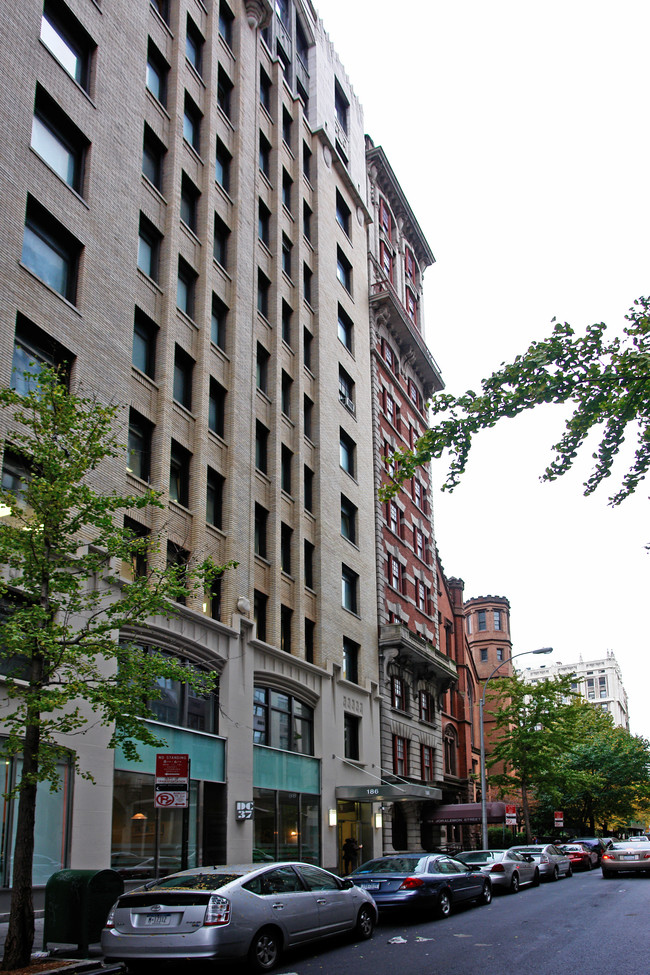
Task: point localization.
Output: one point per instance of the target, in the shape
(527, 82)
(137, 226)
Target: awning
(384, 792)
(466, 812)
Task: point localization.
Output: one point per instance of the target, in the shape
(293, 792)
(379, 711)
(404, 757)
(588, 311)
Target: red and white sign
(511, 815)
(559, 818)
(172, 781)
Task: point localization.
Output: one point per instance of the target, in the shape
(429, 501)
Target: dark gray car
(507, 869)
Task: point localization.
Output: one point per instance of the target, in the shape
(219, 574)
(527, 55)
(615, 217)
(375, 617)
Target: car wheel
(607, 874)
(569, 872)
(265, 950)
(365, 924)
(443, 906)
(536, 878)
(486, 893)
(556, 873)
(514, 883)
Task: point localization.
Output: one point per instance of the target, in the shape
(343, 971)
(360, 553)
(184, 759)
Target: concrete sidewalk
(93, 960)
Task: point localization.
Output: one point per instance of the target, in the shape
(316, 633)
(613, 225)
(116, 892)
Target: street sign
(559, 818)
(511, 815)
(172, 782)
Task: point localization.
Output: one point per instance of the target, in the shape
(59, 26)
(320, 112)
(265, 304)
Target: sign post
(559, 819)
(511, 815)
(172, 791)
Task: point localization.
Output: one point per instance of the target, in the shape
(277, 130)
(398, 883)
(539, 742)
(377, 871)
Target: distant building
(597, 681)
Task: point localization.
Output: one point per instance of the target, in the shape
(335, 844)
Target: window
(427, 707)
(34, 348)
(310, 629)
(189, 202)
(497, 619)
(260, 602)
(400, 755)
(226, 21)
(57, 140)
(136, 567)
(263, 292)
(144, 343)
(148, 248)
(306, 161)
(50, 251)
(261, 523)
(351, 736)
(343, 270)
(341, 107)
(385, 219)
(65, 38)
(218, 322)
(15, 475)
(411, 306)
(162, 7)
(282, 721)
(264, 223)
(349, 589)
(468, 620)
(350, 660)
(220, 243)
(286, 461)
(287, 124)
(192, 124)
(422, 597)
(343, 214)
(426, 762)
(153, 154)
(389, 356)
(346, 389)
(179, 474)
(286, 255)
(389, 408)
(397, 693)
(451, 749)
(139, 446)
(261, 447)
(224, 92)
(306, 220)
(418, 543)
(285, 548)
(215, 598)
(308, 411)
(287, 184)
(287, 313)
(157, 71)
(262, 368)
(602, 687)
(265, 155)
(499, 653)
(394, 573)
(409, 264)
(308, 480)
(347, 450)
(285, 395)
(177, 559)
(193, 45)
(386, 260)
(265, 90)
(214, 499)
(393, 517)
(482, 619)
(484, 654)
(309, 564)
(185, 287)
(348, 519)
(307, 275)
(216, 407)
(308, 340)
(223, 161)
(345, 329)
(286, 616)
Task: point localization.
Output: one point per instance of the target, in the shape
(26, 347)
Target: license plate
(158, 919)
(369, 886)
(631, 857)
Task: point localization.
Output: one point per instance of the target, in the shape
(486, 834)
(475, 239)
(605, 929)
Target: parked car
(507, 869)
(431, 882)
(552, 863)
(580, 855)
(228, 912)
(593, 842)
(626, 855)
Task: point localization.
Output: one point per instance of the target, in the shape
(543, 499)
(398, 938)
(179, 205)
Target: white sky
(519, 132)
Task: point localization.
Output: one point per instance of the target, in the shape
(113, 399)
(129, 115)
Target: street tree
(605, 380)
(602, 781)
(533, 724)
(62, 543)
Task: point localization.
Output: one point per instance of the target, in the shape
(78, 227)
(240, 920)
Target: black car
(593, 843)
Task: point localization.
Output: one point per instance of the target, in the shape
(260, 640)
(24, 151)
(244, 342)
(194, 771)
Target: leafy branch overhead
(607, 382)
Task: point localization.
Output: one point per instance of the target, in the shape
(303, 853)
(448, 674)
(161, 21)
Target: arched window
(451, 751)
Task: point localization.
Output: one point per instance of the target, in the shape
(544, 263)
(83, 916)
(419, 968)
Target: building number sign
(244, 810)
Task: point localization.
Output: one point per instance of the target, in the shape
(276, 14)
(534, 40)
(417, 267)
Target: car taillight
(646, 856)
(607, 856)
(544, 859)
(498, 868)
(218, 911)
(410, 883)
(110, 920)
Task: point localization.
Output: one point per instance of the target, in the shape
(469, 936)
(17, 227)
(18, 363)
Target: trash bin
(77, 903)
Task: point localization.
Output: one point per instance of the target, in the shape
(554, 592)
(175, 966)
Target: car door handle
(278, 907)
(321, 900)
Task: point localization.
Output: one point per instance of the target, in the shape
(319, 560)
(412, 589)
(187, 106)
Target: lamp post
(484, 838)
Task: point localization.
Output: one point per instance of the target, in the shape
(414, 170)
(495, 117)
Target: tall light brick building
(599, 682)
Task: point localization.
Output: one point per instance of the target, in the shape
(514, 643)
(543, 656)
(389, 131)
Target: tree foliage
(606, 381)
(62, 544)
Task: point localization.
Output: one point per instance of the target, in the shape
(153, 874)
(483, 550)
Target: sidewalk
(92, 962)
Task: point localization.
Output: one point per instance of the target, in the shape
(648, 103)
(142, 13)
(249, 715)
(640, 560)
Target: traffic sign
(559, 818)
(172, 782)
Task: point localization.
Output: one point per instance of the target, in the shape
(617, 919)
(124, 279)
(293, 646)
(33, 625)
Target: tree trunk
(20, 936)
(526, 811)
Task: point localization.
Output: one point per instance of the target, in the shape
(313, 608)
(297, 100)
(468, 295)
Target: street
(582, 924)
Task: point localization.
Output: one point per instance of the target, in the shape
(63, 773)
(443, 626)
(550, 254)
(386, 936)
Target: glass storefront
(286, 826)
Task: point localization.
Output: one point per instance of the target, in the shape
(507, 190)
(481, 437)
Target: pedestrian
(350, 852)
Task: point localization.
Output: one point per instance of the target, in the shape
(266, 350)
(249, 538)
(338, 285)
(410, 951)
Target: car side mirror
(347, 883)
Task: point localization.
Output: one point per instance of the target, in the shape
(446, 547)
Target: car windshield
(573, 848)
(393, 865)
(194, 881)
(529, 849)
(482, 856)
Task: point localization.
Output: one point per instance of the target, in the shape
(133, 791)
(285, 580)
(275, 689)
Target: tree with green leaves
(62, 543)
(602, 781)
(533, 725)
(605, 380)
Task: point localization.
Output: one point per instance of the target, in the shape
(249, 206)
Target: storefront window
(286, 826)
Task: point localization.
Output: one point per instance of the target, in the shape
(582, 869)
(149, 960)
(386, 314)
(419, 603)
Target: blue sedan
(434, 882)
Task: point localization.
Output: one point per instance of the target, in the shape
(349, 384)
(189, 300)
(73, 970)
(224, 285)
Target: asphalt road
(582, 925)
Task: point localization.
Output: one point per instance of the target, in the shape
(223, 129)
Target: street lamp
(481, 706)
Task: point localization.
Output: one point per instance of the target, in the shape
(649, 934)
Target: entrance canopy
(385, 792)
(466, 812)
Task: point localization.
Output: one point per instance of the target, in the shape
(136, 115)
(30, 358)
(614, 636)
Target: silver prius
(251, 911)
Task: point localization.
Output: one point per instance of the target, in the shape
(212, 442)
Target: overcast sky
(519, 133)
